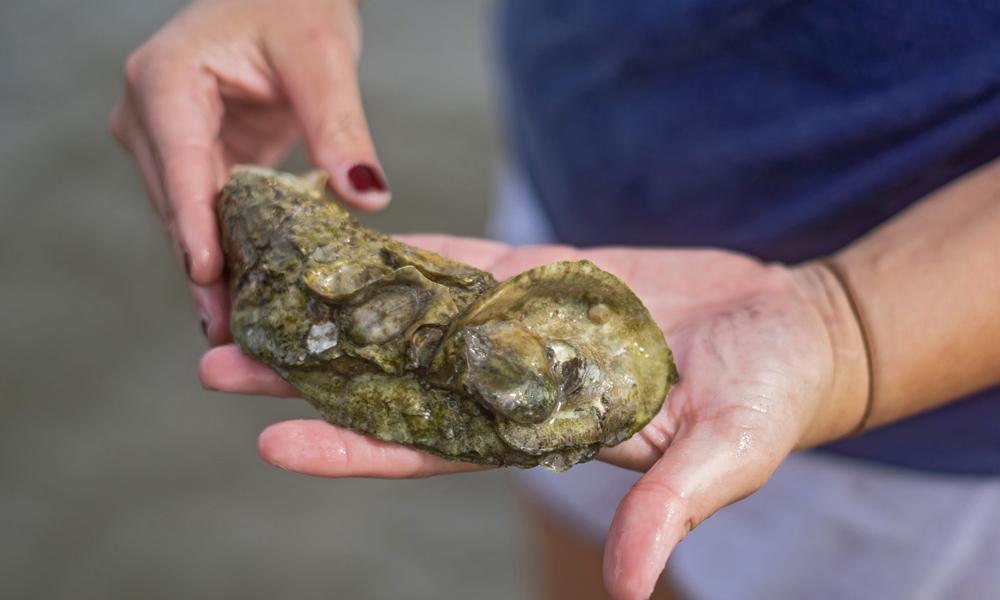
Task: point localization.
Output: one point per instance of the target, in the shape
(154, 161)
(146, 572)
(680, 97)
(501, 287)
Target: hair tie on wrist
(841, 276)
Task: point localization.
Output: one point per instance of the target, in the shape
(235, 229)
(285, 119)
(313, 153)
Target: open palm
(752, 344)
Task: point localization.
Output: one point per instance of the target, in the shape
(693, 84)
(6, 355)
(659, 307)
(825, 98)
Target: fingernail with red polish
(187, 264)
(365, 178)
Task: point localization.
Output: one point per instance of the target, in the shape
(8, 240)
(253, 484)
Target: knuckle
(656, 436)
(672, 504)
(154, 64)
(135, 66)
(326, 39)
(666, 495)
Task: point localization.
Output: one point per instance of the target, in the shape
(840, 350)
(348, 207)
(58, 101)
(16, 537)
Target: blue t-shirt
(784, 129)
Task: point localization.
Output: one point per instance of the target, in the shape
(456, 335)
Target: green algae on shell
(407, 346)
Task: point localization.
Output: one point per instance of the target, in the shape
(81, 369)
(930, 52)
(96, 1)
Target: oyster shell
(407, 346)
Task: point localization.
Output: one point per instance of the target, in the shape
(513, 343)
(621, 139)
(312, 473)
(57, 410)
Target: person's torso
(783, 129)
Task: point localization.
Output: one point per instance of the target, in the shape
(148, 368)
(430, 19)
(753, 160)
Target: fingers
(226, 369)
(315, 447)
(700, 473)
(212, 299)
(127, 130)
(179, 112)
(213, 305)
(318, 448)
(317, 68)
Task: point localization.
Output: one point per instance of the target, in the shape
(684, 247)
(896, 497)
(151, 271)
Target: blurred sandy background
(119, 476)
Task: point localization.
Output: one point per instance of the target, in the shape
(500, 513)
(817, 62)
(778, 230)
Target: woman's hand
(235, 81)
(770, 359)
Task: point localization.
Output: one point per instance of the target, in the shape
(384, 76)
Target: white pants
(822, 528)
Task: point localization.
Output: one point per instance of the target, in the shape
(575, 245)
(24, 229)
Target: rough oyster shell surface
(407, 346)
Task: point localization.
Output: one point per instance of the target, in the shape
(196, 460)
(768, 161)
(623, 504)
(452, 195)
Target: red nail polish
(187, 264)
(365, 179)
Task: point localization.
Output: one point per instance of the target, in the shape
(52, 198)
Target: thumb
(699, 473)
(318, 71)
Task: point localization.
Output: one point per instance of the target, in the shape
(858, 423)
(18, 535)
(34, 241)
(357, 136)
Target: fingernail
(204, 326)
(365, 178)
(187, 264)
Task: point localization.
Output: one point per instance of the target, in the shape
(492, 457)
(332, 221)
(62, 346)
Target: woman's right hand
(235, 81)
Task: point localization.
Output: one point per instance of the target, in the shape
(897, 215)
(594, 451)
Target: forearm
(928, 285)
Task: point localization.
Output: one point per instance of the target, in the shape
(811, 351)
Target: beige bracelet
(845, 283)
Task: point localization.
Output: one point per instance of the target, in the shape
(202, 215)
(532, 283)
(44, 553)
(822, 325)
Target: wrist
(842, 407)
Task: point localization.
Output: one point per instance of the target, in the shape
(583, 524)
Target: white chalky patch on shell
(561, 351)
(322, 337)
(326, 253)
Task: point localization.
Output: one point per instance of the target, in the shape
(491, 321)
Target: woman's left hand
(770, 358)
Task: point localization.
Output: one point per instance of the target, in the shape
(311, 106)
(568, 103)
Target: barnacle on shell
(407, 346)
